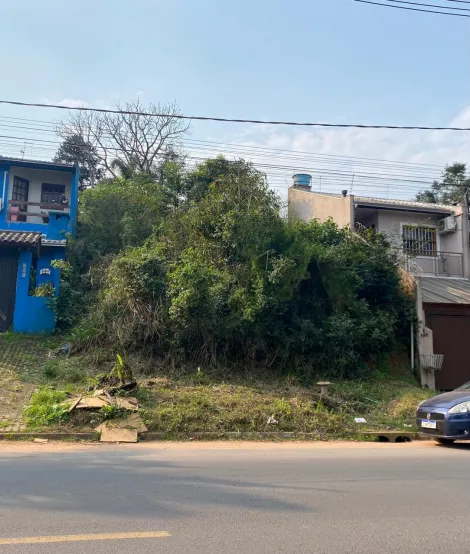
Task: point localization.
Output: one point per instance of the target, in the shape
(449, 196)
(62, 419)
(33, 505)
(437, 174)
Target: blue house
(38, 209)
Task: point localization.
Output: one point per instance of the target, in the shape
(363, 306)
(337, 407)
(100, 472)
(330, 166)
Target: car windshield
(464, 387)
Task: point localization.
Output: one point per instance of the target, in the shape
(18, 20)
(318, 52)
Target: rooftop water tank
(302, 180)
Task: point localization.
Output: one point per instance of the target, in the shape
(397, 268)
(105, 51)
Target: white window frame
(428, 226)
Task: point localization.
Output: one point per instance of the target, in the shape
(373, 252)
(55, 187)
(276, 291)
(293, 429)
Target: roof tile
(19, 238)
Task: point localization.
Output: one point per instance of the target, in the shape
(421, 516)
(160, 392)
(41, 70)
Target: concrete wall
(307, 205)
(390, 222)
(424, 339)
(36, 178)
(33, 314)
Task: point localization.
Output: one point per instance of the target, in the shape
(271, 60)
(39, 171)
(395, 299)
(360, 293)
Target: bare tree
(135, 141)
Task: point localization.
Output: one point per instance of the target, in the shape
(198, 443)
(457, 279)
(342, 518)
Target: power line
(252, 121)
(295, 165)
(430, 5)
(263, 151)
(459, 1)
(412, 9)
(259, 151)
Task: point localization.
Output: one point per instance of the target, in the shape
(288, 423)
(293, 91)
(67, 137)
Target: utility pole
(466, 234)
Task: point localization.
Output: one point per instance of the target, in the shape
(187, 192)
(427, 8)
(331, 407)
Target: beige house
(433, 243)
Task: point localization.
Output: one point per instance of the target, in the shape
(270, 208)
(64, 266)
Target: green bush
(209, 273)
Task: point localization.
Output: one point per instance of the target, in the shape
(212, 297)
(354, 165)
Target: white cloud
(320, 147)
(72, 102)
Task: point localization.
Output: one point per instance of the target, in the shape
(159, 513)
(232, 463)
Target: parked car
(446, 417)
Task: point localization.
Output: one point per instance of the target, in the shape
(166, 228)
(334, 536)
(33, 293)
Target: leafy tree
(119, 213)
(75, 149)
(450, 189)
(222, 278)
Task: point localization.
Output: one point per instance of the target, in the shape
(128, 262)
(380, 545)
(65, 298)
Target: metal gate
(8, 273)
(451, 334)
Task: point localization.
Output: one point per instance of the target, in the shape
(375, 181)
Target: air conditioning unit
(447, 225)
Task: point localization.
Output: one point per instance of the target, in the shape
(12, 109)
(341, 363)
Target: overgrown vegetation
(199, 268)
(46, 408)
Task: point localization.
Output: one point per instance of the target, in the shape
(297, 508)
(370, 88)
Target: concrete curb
(380, 436)
(50, 436)
(394, 436)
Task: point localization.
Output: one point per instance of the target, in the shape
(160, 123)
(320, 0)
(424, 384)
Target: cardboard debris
(118, 435)
(75, 403)
(132, 421)
(98, 392)
(91, 403)
(127, 403)
(96, 402)
(41, 441)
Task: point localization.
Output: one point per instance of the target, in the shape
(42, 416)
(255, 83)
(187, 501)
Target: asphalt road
(235, 498)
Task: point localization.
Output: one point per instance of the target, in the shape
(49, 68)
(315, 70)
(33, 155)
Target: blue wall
(34, 314)
(37, 227)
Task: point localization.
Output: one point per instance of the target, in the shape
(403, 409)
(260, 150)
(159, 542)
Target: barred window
(419, 241)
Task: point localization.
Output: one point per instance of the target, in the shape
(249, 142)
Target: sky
(334, 61)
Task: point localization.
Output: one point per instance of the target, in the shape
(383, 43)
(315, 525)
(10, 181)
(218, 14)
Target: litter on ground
(118, 435)
(120, 429)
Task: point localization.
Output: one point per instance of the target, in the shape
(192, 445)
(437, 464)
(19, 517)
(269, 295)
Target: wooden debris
(41, 441)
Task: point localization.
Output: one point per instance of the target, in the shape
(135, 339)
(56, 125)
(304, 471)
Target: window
(52, 194)
(419, 241)
(19, 193)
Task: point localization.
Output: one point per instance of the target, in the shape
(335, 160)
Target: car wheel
(445, 441)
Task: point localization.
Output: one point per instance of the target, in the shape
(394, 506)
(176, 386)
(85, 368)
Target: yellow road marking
(75, 538)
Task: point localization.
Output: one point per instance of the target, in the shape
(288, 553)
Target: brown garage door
(451, 337)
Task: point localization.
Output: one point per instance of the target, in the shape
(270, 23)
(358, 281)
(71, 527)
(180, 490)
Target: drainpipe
(465, 238)
(4, 187)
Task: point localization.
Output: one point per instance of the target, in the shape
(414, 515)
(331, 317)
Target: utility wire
(253, 121)
(296, 164)
(246, 148)
(459, 1)
(430, 5)
(412, 9)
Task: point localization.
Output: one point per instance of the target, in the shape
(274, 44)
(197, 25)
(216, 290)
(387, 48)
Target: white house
(433, 242)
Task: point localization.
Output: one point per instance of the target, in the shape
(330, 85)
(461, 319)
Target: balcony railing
(446, 264)
(19, 210)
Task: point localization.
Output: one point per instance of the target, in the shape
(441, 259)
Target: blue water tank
(302, 180)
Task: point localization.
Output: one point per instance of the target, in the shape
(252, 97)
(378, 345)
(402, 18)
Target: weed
(46, 408)
(112, 411)
(50, 370)
(121, 370)
(281, 407)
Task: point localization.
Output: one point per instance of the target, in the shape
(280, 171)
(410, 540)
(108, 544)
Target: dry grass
(404, 407)
(184, 404)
